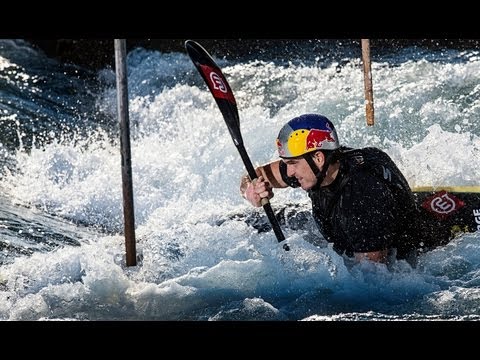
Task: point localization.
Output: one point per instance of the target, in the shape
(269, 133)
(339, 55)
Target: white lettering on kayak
(476, 215)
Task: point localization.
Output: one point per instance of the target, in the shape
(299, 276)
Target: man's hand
(257, 190)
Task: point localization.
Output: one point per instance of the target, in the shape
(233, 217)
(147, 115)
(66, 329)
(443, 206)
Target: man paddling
(361, 201)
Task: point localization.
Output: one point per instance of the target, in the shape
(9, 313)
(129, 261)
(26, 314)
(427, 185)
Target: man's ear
(319, 158)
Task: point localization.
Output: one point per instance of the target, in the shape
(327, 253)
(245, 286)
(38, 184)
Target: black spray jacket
(368, 207)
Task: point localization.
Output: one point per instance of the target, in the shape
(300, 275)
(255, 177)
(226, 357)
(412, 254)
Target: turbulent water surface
(62, 252)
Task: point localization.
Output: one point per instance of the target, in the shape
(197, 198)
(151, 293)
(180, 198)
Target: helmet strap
(319, 174)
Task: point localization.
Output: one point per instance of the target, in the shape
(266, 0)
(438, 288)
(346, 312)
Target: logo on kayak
(476, 215)
(217, 84)
(442, 204)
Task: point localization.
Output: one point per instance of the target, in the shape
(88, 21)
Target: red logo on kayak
(217, 84)
(442, 204)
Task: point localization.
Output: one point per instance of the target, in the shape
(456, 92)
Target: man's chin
(306, 187)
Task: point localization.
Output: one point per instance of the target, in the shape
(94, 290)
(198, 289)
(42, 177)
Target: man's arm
(268, 177)
(375, 256)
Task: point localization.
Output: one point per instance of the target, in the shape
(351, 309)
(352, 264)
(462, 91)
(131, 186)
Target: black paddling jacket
(368, 207)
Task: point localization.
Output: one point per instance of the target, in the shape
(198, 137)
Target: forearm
(259, 189)
(270, 173)
(375, 256)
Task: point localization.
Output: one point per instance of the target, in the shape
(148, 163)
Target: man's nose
(290, 171)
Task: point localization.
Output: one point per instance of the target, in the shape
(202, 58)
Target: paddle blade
(218, 86)
(221, 91)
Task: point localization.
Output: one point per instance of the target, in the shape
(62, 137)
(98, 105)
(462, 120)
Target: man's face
(299, 168)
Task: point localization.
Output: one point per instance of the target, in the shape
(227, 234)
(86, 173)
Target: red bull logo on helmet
(303, 141)
(306, 133)
(316, 138)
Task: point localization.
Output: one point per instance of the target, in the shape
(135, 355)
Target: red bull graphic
(305, 134)
(442, 204)
(302, 141)
(316, 138)
(217, 83)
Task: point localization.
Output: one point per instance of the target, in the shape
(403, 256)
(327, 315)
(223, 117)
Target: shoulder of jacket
(364, 155)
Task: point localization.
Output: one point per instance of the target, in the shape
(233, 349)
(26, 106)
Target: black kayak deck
(455, 208)
(448, 212)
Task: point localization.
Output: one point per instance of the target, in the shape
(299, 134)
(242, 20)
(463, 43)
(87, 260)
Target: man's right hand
(257, 190)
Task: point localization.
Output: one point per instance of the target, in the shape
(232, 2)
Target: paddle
(221, 91)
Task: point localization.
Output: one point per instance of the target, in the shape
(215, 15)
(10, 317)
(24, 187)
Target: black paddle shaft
(221, 91)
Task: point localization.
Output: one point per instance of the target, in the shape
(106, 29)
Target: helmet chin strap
(319, 174)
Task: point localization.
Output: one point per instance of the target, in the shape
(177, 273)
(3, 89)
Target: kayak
(449, 211)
